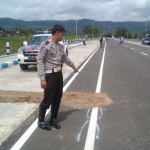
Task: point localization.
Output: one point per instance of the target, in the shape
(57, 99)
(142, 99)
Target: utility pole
(76, 17)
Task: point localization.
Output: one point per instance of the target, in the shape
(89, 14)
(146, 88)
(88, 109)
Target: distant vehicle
(84, 42)
(146, 41)
(27, 55)
(108, 38)
(121, 40)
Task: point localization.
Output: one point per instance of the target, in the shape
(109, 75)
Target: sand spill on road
(70, 99)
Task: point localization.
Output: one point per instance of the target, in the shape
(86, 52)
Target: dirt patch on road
(18, 96)
(70, 99)
(85, 100)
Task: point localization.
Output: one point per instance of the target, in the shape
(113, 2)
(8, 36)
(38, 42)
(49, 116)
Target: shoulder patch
(43, 49)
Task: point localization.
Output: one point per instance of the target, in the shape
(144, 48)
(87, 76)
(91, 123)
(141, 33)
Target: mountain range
(135, 27)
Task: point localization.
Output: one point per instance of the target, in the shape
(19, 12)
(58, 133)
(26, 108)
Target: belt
(58, 69)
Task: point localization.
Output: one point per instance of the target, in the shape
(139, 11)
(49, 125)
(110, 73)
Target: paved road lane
(22, 80)
(126, 80)
(72, 121)
(123, 125)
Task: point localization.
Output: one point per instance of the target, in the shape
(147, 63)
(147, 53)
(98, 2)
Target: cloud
(101, 10)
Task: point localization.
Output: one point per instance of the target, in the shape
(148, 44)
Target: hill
(70, 25)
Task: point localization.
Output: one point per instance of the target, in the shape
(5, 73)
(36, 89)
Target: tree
(49, 29)
(31, 31)
(108, 35)
(2, 32)
(135, 36)
(69, 37)
(39, 29)
(87, 30)
(95, 32)
(122, 32)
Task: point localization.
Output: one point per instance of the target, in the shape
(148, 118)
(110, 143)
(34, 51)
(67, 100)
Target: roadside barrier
(7, 48)
(8, 64)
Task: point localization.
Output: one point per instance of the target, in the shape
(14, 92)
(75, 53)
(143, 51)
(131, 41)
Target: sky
(99, 10)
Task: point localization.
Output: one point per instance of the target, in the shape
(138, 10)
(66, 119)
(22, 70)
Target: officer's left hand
(43, 84)
(76, 70)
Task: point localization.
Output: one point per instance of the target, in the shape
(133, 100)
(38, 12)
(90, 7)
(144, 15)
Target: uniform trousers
(53, 93)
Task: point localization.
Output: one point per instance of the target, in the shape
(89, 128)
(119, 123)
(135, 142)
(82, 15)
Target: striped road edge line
(8, 64)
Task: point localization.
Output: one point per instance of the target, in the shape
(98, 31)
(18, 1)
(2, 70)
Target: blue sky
(100, 10)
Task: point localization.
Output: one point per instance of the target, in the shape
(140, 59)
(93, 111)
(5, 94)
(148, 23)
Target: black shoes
(41, 123)
(44, 126)
(54, 123)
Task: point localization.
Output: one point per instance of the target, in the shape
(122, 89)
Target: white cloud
(102, 10)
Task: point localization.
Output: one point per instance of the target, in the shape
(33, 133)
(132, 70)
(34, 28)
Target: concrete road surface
(121, 71)
(15, 79)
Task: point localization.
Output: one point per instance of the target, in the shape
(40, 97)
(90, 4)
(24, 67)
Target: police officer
(49, 64)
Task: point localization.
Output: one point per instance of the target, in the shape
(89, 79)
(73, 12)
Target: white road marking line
(70, 81)
(89, 144)
(132, 48)
(25, 136)
(98, 88)
(30, 130)
(143, 53)
(126, 46)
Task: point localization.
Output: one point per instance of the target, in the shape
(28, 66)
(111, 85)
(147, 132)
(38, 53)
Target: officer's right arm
(40, 61)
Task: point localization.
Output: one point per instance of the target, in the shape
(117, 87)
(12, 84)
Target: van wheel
(24, 66)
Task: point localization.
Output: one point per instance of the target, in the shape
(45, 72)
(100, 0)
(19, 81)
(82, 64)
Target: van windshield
(36, 40)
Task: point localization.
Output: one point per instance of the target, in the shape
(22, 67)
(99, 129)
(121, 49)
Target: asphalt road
(126, 79)
(123, 125)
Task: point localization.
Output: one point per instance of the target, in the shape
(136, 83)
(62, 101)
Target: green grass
(14, 42)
